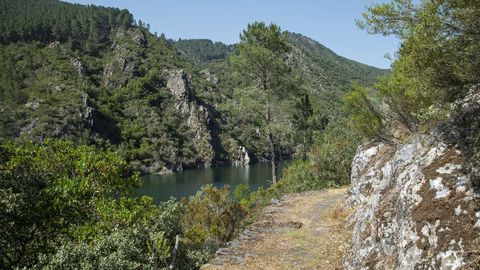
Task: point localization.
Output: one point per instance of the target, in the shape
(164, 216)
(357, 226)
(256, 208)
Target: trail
(301, 231)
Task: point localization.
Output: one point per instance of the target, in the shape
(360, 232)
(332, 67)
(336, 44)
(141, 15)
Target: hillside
(93, 75)
(203, 51)
(327, 75)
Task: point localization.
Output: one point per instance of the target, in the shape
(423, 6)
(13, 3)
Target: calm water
(188, 182)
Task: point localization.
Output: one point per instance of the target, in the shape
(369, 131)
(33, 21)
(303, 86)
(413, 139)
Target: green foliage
(437, 61)
(118, 250)
(266, 83)
(306, 122)
(56, 91)
(329, 161)
(261, 59)
(365, 115)
(65, 206)
(203, 51)
(85, 27)
(50, 190)
(104, 83)
(211, 218)
(135, 234)
(325, 73)
(241, 194)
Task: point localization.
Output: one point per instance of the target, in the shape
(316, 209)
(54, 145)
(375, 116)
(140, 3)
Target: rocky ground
(301, 231)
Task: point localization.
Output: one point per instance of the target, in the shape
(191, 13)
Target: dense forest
(49, 21)
(89, 99)
(203, 51)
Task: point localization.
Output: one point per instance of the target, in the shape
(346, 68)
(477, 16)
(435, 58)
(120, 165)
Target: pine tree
(262, 67)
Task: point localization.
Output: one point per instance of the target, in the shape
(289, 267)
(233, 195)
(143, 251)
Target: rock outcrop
(208, 141)
(417, 205)
(198, 116)
(126, 50)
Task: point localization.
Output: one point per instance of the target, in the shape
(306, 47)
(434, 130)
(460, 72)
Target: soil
(301, 231)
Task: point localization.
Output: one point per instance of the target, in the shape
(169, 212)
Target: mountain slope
(203, 51)
(115, 85)
(327, 76)
(91, 75)
(325, 68)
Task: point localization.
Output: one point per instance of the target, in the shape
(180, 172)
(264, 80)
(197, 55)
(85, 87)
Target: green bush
(437, 62)
(67, 207)
(64, 206)
(365, 116)
(329, 161)
(211, 218)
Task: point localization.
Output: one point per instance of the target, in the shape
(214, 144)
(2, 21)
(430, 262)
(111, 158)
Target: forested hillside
(48, 21)
(203, 51)
(93, 75)
(90, 74)
(326, 75)
(89, 99)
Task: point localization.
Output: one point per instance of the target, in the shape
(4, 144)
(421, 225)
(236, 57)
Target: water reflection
(188, 182)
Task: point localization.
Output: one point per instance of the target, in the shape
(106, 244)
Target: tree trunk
(174, 255)
(271, 142)
(273, 157)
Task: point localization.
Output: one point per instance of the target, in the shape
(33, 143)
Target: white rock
(442, 191)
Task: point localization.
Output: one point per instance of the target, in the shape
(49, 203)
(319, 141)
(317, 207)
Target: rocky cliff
(417, 205)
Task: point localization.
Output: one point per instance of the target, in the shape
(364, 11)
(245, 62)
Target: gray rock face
(417, 205)
(87, 113)
(209, 76)
(34, 104)
(208, 140)
(78, 66)
(198, 116)
(243, 156)
(120, 70)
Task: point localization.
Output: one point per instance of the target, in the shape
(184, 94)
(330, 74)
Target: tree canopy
(266, 82)
(50, 20)
(437, 62)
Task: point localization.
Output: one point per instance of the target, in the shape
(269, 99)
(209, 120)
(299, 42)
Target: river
(188, 182)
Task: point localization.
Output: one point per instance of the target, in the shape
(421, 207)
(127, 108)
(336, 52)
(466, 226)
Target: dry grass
(319, 243)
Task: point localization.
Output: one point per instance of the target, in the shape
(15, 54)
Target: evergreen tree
(304, 121)
(261, 64)
(438, 60)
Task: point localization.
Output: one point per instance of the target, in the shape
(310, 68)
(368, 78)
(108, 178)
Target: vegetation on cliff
(95, 76)
(437, 63)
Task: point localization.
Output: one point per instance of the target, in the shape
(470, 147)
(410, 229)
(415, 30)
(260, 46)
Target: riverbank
(302, 230)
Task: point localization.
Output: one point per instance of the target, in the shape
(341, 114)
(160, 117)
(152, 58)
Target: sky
(331, 22)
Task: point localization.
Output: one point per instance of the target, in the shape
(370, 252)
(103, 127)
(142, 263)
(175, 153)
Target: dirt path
(302, 231)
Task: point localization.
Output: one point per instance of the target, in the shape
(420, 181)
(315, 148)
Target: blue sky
(332, 22)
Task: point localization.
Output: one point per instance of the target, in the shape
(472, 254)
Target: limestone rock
(34, 104)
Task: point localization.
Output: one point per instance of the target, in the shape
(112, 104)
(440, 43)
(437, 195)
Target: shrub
(211, 216)
(50, 189)
(329, 161)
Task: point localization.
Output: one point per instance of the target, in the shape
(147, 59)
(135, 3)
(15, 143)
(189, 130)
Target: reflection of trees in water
(188, 182)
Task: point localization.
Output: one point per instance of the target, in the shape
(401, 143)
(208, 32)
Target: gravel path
(301, 231)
